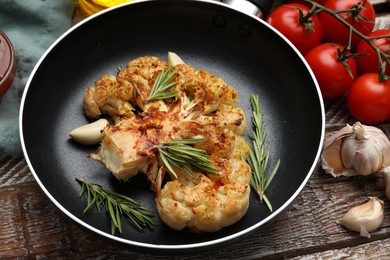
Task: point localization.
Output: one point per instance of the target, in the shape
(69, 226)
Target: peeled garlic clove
(174, 59)
(366, 217)
(91, 133)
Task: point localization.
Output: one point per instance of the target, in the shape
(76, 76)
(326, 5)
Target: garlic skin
(386, 180)
(356, 150)
(90, 134)
(366, 217)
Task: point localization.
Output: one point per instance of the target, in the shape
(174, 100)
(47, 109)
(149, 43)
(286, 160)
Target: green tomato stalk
(383, 57)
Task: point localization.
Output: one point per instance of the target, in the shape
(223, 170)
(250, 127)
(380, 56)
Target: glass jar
(7, 63)
(85, 8)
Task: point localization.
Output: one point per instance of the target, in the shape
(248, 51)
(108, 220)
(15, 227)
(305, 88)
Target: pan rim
(209, 243)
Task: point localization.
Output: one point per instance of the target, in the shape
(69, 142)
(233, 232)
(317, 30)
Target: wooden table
(32, 227)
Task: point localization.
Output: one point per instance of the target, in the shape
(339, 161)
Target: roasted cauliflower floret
(217, 91)
(207, 203)
(229, 117)
(220, 141)
(204, 107)
(117, 96)
(108, 97)
(141, 74)
(202, 93)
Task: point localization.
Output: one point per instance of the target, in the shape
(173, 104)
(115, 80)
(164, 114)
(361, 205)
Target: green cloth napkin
(32, 26)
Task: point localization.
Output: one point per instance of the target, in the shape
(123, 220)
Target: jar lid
(7, 63)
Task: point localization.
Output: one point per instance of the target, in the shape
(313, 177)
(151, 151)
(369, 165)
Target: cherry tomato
(368, 99)
(331, 73)
(335, 31)
(286, 19)
(369, 62)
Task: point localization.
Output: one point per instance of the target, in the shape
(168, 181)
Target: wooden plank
(32, 227)
(374, 250)
(30, 224)
(13, 170)
(11, 228)
(311, 224)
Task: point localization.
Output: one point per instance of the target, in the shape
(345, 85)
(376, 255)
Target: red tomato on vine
(334, 68)
(368, 99)
(369, 61)
(304, 32)
(362, 19)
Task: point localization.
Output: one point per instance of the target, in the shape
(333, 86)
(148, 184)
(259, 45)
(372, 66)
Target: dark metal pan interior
(241, 49)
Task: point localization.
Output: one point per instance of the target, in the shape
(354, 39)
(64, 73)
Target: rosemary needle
(161, 85)
(180, 154)
(259, 154)
(116, 205)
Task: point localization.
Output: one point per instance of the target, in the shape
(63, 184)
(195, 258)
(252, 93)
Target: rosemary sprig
(259, 154)
(161, 85)
(181, 154)
(116, 205)
(119, 68)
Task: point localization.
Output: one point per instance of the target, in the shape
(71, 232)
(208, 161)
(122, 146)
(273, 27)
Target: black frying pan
(240, 48)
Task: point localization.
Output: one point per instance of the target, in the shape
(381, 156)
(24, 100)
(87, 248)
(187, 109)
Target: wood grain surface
(32, 227)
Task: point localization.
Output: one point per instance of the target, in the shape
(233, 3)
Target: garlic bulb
(356, 150)
(365, 218)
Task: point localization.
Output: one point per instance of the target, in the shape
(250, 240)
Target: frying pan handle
(265, 6)
(258, 8)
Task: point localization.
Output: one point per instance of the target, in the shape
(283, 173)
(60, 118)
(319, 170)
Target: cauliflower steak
(204, 106)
